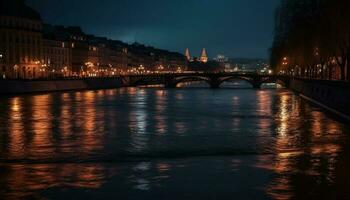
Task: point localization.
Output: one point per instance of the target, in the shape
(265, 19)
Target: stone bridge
(171, 80)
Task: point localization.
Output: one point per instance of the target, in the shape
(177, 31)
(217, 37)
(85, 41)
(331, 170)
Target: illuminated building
(221, 59)
(188, 55)
(21, 40)
(30, 49)
(57, 58)
(204, 56)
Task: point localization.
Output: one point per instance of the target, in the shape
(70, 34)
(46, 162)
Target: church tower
(188, 55)
(204, 56)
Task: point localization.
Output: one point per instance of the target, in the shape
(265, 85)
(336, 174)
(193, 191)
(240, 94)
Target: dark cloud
(237, 28)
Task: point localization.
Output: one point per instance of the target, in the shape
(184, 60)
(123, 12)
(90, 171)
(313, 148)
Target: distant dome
(17, 8)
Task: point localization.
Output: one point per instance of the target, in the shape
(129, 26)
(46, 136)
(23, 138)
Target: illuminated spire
(188, 55)
(204, 56)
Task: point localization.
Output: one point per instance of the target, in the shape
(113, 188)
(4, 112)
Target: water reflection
(160, 113)
(134, 141)
(194, 84)
(41, 144)
(236, 83)
(301, 156)
(16, 138)
(91, 140)
(138, 123)
(41, 127)
(26, 181)
(264, 109)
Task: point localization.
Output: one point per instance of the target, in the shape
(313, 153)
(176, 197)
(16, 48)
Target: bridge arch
(140, 81)
(276, 80)
(214, 79)
(231, 78)
(185, 79)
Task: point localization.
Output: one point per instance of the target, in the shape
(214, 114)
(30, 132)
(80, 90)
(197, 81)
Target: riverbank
(33, 86)
(331, 95)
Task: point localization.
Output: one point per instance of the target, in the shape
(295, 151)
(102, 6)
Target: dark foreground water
(171, 144)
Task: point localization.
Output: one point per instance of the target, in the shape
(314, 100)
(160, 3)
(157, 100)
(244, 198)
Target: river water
(153, 143)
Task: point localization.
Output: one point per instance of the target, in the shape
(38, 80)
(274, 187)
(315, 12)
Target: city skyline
(245, 27)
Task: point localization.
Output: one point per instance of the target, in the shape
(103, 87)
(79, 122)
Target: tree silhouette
(312, 39)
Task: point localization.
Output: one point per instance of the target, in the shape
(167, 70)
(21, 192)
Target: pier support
(257, 85)
(169, 82)
(215, 85)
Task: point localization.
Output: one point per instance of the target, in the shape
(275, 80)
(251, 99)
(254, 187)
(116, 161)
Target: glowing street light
(15, 69)
(285, 61)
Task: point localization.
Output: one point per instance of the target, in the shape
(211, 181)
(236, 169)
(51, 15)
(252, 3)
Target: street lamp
(284, 63)
(15, 69)
(1, 61)
(43, 70)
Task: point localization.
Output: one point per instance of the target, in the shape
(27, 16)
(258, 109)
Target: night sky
(236, 28)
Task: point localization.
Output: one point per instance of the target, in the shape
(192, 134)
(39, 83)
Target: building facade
(30, 49)
(204, 56)
(57, 59)
(21, 53)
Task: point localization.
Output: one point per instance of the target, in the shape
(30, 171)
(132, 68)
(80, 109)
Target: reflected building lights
(321, 149)
(90, 141)
(41, 122)
(235, 101)
(139, 179)
(132, 91)
(334, 128)
(293, 140)
(25, 181)
(90, 176)
(280, 188)
(138, 123)
(264, 111)
(236, 124)
(283, 115)
(16, 129)
(264, 103)
(163, 167)
(65, 123)
(163, 170)
(181, 127)
(179, 96)
(316, 124)
(159, 116)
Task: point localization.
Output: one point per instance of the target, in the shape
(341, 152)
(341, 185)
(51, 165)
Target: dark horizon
(237, 29)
